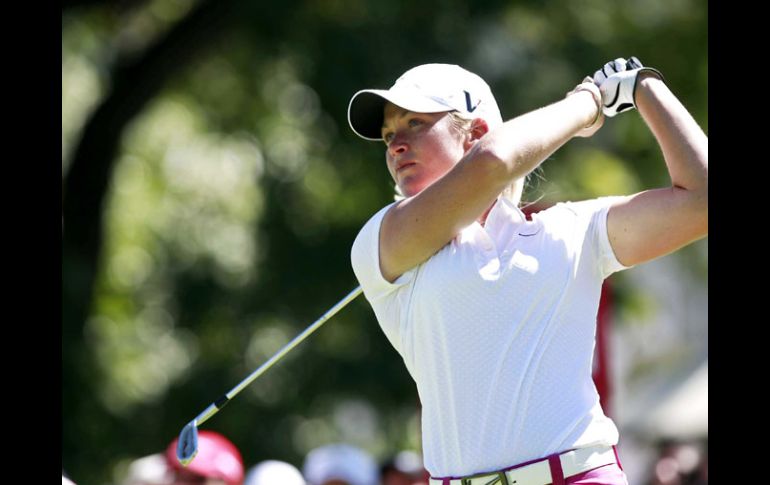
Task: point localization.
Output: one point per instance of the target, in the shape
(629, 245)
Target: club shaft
(220, 403)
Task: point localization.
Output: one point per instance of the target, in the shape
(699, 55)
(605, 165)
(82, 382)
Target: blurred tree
(133, 83)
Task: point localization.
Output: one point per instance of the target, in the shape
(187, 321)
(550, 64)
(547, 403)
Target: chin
(410, 189)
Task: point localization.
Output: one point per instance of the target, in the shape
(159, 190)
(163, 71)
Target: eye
(414, 122)
(387, 137)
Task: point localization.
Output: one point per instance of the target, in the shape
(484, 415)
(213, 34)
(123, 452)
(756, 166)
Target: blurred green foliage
(238, 188)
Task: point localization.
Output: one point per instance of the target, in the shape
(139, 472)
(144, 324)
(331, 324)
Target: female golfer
(495, 315)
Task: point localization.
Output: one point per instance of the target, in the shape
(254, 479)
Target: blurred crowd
(680, 463)
(219, 462)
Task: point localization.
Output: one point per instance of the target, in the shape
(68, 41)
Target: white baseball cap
(429, 88)
(149, 470)
(273, 472)
(340, 461)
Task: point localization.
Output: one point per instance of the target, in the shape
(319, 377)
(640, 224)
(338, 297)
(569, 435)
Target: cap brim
(366, 109)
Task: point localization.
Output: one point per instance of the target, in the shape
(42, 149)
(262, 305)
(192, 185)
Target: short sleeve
(365, 259)
(385, 298)
(589, 232)
(598, 235)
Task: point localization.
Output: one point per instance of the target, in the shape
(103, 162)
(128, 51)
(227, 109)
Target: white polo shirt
(497, 329)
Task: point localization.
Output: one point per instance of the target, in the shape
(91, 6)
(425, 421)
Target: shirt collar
(504, 211)
(503, 218)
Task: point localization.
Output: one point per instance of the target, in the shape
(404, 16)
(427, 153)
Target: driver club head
(187, 447)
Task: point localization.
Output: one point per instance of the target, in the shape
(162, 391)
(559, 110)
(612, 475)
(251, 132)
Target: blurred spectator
(405, 468)
(149, 470)
(218, 462)
(273, 472)
(340, 464)
(680, 464)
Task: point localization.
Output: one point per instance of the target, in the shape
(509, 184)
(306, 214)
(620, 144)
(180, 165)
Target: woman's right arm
(417, 227)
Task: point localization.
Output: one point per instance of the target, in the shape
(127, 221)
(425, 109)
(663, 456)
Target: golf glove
(617, 82)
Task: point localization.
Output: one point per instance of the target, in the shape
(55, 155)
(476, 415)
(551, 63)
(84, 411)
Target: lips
(404, 164)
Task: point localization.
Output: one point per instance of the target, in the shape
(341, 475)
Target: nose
(397, 146)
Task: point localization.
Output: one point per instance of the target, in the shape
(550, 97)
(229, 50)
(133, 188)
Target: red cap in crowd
(217, 458)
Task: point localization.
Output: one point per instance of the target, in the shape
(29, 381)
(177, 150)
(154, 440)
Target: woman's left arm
(656, 222)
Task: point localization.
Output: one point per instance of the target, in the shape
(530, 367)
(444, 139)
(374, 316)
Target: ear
(479, 128)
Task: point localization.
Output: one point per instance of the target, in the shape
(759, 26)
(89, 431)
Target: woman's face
(421, 147)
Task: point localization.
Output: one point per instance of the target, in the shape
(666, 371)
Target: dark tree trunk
(85, 192)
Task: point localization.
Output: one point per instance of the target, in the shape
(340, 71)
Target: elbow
(700, 211)
(696, 201)
(693, 211)
(702, 199)
(704, 213)
(702, 223)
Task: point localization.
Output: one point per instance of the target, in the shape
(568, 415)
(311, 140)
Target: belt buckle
(500, 478)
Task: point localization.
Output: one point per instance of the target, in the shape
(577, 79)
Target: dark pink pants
(611, 474)
(604, 475)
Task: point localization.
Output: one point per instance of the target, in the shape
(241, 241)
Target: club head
(187, 447)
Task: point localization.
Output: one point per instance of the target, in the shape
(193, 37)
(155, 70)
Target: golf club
(187, 447)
